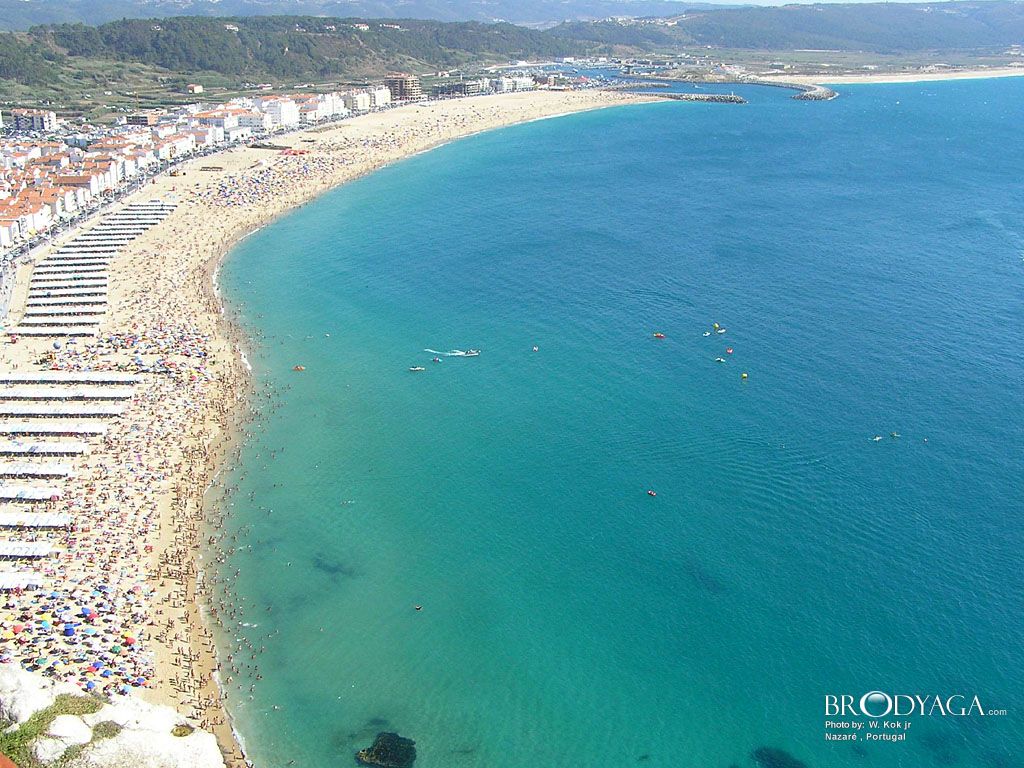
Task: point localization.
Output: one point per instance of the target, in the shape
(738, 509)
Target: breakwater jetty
(805, 92)
(635, 85)
(717, 98)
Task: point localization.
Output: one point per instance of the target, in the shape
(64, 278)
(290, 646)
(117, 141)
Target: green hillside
(300, 47)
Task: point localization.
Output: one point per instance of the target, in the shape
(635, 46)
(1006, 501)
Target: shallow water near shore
(866, 257)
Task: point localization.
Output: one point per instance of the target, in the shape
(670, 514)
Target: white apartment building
(255, 121)
(357, 101)
(240, 133)
(380, 96)
(283, 112)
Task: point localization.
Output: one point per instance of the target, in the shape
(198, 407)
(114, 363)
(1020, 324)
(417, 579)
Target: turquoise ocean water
(866, 257)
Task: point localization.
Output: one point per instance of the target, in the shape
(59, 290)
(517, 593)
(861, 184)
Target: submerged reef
(389, 750)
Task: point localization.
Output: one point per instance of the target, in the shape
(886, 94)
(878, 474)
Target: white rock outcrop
(65, 731)
(22, 693)
(146, 738)
(152, 749)
(70, 729)
(47, 749)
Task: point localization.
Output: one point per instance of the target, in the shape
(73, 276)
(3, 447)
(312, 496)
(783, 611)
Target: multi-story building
(284, 112)
(224, 119)
(148, 117)
(357, 101)
(403, 87)
(459, 88)
(255, 121)
(34, 120)
(380, 96)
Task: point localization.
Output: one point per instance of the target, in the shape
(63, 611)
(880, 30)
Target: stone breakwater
(807, 92)
(716, 98)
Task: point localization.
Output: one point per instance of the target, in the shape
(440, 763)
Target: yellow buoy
(743, 375)
(714, 325)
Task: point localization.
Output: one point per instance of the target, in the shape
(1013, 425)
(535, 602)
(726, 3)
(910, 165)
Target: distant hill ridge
(313, 47)
(22, 14)
(876, 27)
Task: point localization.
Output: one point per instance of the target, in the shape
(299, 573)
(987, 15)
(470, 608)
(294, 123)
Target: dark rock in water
(769, 757)
(389, 750)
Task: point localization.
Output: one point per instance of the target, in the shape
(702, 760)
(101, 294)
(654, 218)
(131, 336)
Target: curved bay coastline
(251, 188)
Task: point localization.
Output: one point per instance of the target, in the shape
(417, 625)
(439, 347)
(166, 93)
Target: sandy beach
(899, 77)
(137, 495)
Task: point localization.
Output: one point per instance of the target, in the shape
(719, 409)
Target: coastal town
(53, 171)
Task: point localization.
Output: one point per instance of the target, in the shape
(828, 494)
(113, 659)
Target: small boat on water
(417, 368)
(471, 353)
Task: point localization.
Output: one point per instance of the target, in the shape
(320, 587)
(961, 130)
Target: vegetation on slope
(27, 62)
(300, 46)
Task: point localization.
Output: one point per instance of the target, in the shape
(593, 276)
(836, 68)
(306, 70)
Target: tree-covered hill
(297, 46)
(27, 62)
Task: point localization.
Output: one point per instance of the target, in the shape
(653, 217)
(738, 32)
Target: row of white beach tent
(67, 294)
(33, 408)
(49, 418)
